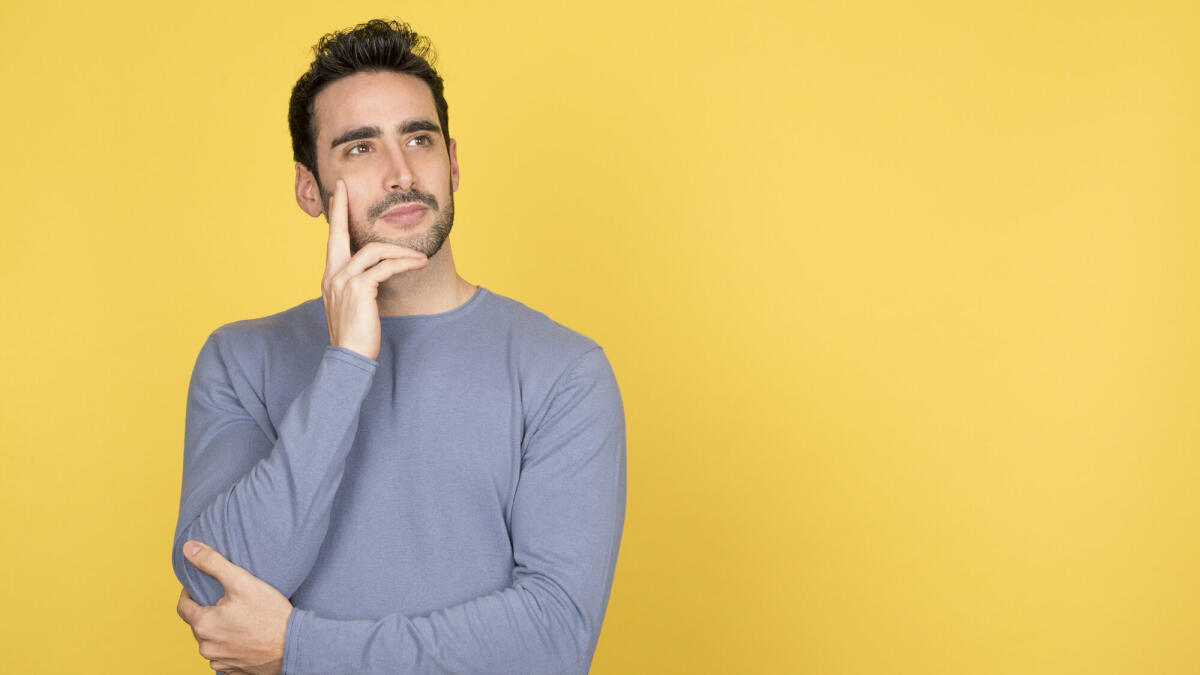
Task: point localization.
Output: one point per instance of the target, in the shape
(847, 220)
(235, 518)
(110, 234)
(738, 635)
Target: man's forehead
(383, 99)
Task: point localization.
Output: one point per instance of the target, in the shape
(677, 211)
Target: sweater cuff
(350, 357)
(290, 640)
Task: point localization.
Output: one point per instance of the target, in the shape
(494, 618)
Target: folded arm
(566, 524)
(258, 497)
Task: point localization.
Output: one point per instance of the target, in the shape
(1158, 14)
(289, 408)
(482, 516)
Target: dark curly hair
(370, 47)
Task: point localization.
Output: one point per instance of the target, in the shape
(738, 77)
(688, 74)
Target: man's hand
(351, 284)
(244, 632)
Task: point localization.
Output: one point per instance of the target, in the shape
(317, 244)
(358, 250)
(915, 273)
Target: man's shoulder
(549, 357)
(298, 325)
(535, 332)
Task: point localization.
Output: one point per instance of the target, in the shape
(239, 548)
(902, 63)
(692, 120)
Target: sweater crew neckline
(475, 299)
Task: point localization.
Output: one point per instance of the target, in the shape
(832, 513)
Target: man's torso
(421, 517)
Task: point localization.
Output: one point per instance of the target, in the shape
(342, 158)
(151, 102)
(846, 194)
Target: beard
(428, 242)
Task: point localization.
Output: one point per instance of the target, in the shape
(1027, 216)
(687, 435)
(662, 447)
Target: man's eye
(354, 150)
(420, 140)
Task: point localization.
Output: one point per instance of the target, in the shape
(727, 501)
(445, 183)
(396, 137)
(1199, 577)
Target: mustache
(413, 195)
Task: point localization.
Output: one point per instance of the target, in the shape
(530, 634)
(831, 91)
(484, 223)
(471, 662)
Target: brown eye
(360, 145)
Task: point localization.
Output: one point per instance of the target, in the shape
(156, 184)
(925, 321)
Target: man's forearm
(264, 505)
(533, 627)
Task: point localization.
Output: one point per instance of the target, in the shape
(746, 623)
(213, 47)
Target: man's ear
(308, 195)
(453, 165)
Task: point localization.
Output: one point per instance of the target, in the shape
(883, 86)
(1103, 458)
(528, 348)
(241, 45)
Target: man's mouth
(405, 214)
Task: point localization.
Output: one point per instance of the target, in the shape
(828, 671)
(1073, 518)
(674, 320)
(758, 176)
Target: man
(412, 474)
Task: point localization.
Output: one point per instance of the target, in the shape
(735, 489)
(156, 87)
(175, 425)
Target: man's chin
(419, 244)
(427, 241)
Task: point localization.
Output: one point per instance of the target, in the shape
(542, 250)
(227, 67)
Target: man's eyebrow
(356, 135)
(419, 125)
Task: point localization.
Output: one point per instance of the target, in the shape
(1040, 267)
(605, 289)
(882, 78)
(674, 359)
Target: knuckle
(202, 629)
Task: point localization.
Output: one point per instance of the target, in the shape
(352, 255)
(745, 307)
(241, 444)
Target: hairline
(313, 126)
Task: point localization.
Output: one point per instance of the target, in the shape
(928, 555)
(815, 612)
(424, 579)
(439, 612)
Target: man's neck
(433, 289)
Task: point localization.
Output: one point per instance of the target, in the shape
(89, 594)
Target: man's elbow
(204, 589)
(569, 629)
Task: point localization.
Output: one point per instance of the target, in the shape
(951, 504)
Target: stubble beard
(428, 242)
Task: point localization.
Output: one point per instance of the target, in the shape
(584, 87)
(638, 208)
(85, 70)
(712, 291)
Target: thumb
(207, 559)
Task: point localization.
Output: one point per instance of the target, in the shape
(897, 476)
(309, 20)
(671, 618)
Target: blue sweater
(454, 506)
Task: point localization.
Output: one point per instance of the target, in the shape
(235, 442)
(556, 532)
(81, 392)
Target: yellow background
(902, 298)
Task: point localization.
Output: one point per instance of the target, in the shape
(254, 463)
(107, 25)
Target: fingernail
(192, 549)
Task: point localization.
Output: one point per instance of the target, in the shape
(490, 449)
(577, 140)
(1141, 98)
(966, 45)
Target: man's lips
(405, 214)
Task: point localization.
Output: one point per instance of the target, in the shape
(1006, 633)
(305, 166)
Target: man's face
(379, 133)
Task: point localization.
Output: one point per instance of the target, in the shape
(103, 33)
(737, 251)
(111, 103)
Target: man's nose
(399, 173)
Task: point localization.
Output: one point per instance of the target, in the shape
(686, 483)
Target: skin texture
(244, 632)
(372, 269)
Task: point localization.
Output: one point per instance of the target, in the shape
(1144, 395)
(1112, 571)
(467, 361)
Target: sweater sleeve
(261, 498)
(566, 524)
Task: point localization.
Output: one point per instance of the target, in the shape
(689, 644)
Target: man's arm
(264, 502)
(567, 518)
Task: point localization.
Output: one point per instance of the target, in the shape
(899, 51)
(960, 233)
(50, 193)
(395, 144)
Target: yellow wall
(902, 298)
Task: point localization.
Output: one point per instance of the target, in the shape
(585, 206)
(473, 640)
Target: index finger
(338, 252)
